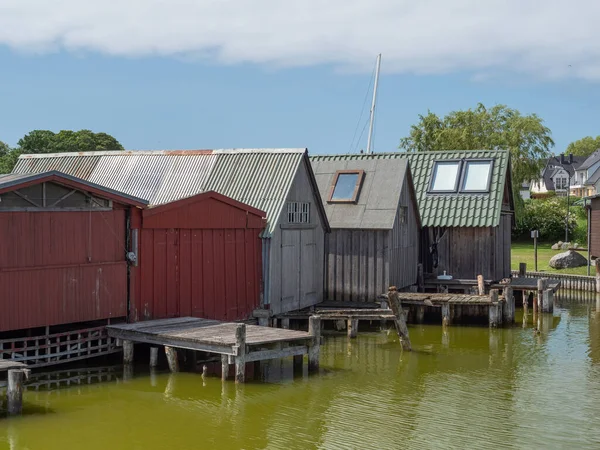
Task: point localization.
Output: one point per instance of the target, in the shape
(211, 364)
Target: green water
(468, 387)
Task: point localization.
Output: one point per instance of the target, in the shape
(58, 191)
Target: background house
(558, 175)
(279, 182)
(372, 210)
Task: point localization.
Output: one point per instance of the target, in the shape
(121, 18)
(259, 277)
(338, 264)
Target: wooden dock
(237, 343)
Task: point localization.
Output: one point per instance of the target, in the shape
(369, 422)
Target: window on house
(561, 183)
(402, 213)
(445, 176)
(298, 212)
(477, 175)
(346, 186)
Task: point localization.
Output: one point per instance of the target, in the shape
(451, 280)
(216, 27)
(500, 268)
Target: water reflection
(462, 387)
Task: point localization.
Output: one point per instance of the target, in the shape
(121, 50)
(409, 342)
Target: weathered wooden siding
(296, 254)
(357, 264)
(404, 249)
(595, 228)
(470, 251)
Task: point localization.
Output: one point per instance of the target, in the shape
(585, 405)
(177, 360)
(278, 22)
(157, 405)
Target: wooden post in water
(224, 367)
(597, 276)
(509, 307)
(153, 356)
(420, 314)
(400, 320)
(352, 328)
(480, 285)
(420, 278)
(127, 352)
(14, 390)
(542, 285)
(522, 270)
(493, 309)
(172, 359)
(240, 359)
(314, 329)
(445, 314)
(548, 301)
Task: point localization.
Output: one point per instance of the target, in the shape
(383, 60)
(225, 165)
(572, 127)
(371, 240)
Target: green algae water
(467, 387)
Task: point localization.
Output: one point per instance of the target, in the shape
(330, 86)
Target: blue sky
(265, 89)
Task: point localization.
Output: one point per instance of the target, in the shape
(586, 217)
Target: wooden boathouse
(63, 266)
(372, 210)
(467, 212)
(279, 182)
(199, 256)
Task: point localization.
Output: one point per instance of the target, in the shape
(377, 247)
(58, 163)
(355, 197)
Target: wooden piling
(127, 352)
(480, 285)
(153, 356)
(597, 276)
(420, 314)
(172, 359)
(548, 301)
(420, 278)
(240, 359)
(224, 367)
(14, 391)
(400, 319)
(352, 328)
(509, 308)
(445, 314)
(522, 270)
(542, 285)
(494, 310)
(314, 329)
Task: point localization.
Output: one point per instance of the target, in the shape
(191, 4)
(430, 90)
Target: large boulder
(556, 247)
(565, 245)
(567, 260)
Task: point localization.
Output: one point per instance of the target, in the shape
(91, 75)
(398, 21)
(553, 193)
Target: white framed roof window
(477, 175)
(444, 177)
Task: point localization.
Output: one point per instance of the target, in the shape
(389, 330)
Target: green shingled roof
(450, 210)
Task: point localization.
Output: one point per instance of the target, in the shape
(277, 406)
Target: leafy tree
(6, 158)
(45, 141)
(549, 217)
(585, 146)
(498, 127)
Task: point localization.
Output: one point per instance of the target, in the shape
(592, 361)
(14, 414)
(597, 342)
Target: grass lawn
(523, 252)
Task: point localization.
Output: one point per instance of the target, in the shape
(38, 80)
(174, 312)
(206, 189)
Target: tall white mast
(370, 139)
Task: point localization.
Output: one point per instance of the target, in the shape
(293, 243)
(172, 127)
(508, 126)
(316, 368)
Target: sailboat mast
(372, 120)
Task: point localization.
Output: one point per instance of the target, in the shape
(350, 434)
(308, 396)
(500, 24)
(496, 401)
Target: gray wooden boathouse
(372, 210)
(278, 181)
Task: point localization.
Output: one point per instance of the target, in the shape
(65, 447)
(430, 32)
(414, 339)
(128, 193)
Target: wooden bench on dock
(237, 343)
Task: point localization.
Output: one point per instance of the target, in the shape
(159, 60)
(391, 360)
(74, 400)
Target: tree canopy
(481, 128)
(584, 147)
(45, 141)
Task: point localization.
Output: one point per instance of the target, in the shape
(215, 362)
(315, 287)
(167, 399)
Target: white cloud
(537, 37)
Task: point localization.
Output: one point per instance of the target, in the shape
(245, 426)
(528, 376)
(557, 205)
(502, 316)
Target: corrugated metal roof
(260, 178)
(449, 210)
(378, 201)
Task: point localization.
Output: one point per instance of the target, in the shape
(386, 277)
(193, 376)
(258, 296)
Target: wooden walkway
(7, 364)
(237, 343)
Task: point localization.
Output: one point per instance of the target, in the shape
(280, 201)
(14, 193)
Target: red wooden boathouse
(199, 256)
(62, 252)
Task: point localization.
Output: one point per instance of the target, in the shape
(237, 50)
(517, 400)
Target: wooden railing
(567, 281)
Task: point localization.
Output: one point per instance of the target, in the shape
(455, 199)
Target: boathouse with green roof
(465, 205)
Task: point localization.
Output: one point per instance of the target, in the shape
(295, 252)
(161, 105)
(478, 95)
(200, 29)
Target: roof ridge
(428, 152)
(161, 152)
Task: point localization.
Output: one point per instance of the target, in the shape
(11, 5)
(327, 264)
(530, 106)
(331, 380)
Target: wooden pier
(17, 374)
(237, 343)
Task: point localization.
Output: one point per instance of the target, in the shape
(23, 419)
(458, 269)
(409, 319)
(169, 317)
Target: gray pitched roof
(590, 161)
(377, 204)
(260, 178)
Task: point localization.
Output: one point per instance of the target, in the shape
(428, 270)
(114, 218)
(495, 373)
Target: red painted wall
(199, 257)
(60, 267)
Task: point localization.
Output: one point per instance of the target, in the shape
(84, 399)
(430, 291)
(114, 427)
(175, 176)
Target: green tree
(498, 127)
(7, 158)
(585, 146)
(45, 141)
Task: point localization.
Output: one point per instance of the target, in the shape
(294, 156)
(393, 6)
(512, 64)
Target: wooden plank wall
(357, 264)
(471, 251)
(404, 251)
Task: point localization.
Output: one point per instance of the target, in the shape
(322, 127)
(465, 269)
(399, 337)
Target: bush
(547, 216)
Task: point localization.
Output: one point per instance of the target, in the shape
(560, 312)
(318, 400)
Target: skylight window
(467, 176)
(445, 176)
(477, 176)
(346, 186)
